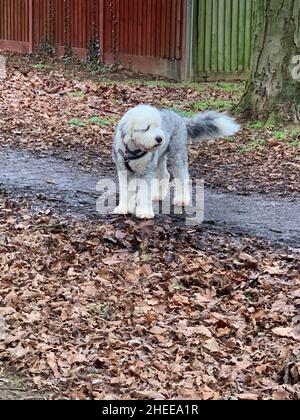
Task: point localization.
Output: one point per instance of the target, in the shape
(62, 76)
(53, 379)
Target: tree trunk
(273, 88)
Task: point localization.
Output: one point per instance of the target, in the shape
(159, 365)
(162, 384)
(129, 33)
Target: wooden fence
(202, 39)
(222, 43)
(146, 35)
(15, 24)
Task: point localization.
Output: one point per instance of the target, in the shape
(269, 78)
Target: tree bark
(273, 88)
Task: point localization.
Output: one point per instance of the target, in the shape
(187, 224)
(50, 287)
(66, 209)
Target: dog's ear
(123, 129)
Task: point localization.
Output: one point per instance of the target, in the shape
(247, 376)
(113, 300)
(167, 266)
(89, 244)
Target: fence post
(31, 26)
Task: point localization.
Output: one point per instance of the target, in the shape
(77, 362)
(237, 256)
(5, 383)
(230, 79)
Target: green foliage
(270, 123)
(252, 146)
(40, 66)
(106, 312)
(158, 83)
(105, 69)
(68, 54)
(93, 52)
(183, 113)
(77, 122)
(147, 258)
(78, 94)
(257, 125)
(218, 105)
(177, 286)
(230, 139)
(46, 48)
(102, 122)
(97, 120)
(294, 143)
(199, 87)
(295, 132)
(280, 135)
(231, 87)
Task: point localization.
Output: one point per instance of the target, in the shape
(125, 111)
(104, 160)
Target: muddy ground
(63, 186)
(14, 386)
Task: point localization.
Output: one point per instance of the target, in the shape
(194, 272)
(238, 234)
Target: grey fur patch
(210, 125)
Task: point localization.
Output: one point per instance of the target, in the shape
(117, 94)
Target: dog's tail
(211, 125)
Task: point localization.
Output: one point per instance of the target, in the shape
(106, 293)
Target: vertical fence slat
(228, 23)
(248, 37)
(31, 25)
(234, 36)
(221, 38)
(242, 33)
(202, 36)
(208, 35)
(214, 39)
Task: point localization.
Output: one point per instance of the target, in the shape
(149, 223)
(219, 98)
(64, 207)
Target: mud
(16, 387)
(62, 185)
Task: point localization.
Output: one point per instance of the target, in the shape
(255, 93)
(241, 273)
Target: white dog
(145, 139)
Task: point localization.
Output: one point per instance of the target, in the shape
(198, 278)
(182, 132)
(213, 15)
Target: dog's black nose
(159, 140)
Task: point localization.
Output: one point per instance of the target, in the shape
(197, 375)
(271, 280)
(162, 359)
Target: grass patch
(78, 94)
(280, 135)
(230, 139)
(76, 122)
(218, 105)
(252, 146)
(199, 87)
(231, 87)
(102, 122)
(183, 113)
(271, 123)
(107, 81)
(294, 143)
(157, 83)
(40, 66)
(256, 125)
(295, 132)
(106, 312)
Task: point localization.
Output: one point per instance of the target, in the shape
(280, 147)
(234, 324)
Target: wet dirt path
(62, 185)
(16, 387)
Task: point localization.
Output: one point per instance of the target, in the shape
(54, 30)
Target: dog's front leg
(144, 208)
(127, 191)
(123, 192)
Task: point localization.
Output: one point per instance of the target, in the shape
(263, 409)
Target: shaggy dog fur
(145, 139)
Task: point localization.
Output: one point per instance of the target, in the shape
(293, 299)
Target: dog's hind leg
(161, 183)
(181, 180)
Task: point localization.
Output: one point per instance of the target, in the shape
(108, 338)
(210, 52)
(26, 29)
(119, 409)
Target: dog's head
(141, 128)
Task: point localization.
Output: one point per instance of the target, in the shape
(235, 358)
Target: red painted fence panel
(15, 25)
(145, 35)
(146, 28)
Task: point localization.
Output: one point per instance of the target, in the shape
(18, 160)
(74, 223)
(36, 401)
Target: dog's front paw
(122, 210)
(142, 213)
